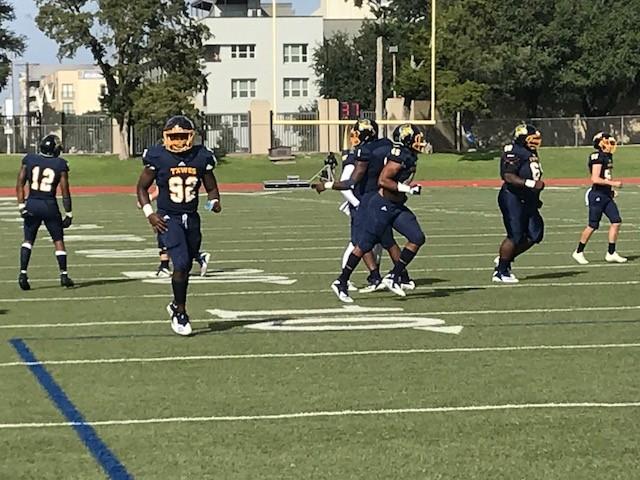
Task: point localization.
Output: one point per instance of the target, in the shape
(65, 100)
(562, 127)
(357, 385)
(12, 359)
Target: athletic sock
(180, 290)
(504, 265)
(347, 252)
(612, 248)
(61, 257)
(164, 264)
(25, 256)
(374, 276)
(348, 269)
(581, 246)
(405, 259)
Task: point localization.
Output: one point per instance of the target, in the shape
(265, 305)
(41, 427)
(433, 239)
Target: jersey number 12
(183, 190)
(42, 183)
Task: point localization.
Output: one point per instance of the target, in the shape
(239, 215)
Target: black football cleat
(65, 281)
(23, 281)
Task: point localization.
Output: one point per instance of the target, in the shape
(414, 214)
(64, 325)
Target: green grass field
(281, 382)
(557, 163)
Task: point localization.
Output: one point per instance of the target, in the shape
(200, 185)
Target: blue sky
(41, 49)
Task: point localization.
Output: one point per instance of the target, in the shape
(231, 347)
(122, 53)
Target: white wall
(257, 30)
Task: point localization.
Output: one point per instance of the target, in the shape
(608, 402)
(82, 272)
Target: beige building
(73, 89)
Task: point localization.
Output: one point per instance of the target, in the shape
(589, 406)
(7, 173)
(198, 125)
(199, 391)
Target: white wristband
(328, 185)
(404, 188)
(68, 214)
(21, 206)
(147, 210)
(530, 183)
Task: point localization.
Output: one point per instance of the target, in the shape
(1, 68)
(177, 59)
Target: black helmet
(363, 131)
(528, 136)
(410, 136)
(51, 146)
(178, 133)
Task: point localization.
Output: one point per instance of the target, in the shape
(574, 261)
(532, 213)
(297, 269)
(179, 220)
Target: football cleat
(342, 291)
(23, 281)
(374, 285)
(65, 281)
(405, 281)
(496, 260)
(163, 272)
(203, 260)
(180, 324)
(614, 258)
(393, 285)
(579, 257)
(500, 277)
(351, 287)
(172, 309)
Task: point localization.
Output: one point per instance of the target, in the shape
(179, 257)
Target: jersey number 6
(536, 170)
(183, 190)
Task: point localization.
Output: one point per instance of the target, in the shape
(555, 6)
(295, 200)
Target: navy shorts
(522, 219)
(182, 239)
(42, 211)
(361, 219)
(602, 203)
(381, 216)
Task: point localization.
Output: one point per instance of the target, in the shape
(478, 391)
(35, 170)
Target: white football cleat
(496, 260)
(393, 285)
(351, 286)
(579, 257)
(504, 278)
(163, 273)
(410, 285)
(204, 263)
(614, 258)
(342, 291)
(180, 324)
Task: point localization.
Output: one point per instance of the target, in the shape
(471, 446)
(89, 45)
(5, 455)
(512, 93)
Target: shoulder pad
(152, 155)
(208, 157)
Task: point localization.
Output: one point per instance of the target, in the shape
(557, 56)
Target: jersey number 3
(183, 190)
(42, 183)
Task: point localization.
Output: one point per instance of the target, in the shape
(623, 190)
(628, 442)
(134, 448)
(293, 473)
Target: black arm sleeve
(66, 203)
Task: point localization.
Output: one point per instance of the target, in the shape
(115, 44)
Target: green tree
(156, 101)
(133, 42)
(10, 43)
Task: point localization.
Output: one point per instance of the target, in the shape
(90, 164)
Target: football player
(385, 209)
(163, 270)
(370, 155)
(44, 172)
(179, 168)
(519, 199)
(600, 198)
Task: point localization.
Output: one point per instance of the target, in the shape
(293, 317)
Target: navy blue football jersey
(374, 153)
(407, 158)
(606, 160)
(525, 164)
(43, 174)
(178, 176)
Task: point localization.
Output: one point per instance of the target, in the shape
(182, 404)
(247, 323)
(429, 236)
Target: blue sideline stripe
(105, 457)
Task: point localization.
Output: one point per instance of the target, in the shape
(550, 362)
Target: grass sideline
(107, 170)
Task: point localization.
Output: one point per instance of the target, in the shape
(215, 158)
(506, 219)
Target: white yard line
(334, 413)
(483, 286)
(353, 353)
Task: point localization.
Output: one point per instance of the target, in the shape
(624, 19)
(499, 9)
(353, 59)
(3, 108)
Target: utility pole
(393, 50)
(379, 80)
(26, 84)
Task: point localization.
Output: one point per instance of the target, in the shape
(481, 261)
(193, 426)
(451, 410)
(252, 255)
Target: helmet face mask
(605, 142)
(363, 131)
(178, 134)
(51, 146)
(528, 136)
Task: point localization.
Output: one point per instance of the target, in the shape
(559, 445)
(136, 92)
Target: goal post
(276, 120)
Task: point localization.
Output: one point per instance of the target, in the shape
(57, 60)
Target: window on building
(67, 107)
(67, 90)
(212, 53)
(243, 51)
(295, 53)
(240, 120)
(296, 87)
(243, 88)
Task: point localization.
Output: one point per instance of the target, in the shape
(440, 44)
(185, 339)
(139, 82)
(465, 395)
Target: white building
(239, 53)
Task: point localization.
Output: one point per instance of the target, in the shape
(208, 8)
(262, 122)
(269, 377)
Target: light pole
(393, 50)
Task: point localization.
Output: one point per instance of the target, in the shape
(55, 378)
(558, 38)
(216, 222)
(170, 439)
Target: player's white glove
(22, 208)
(409, 189)
(415, 190)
